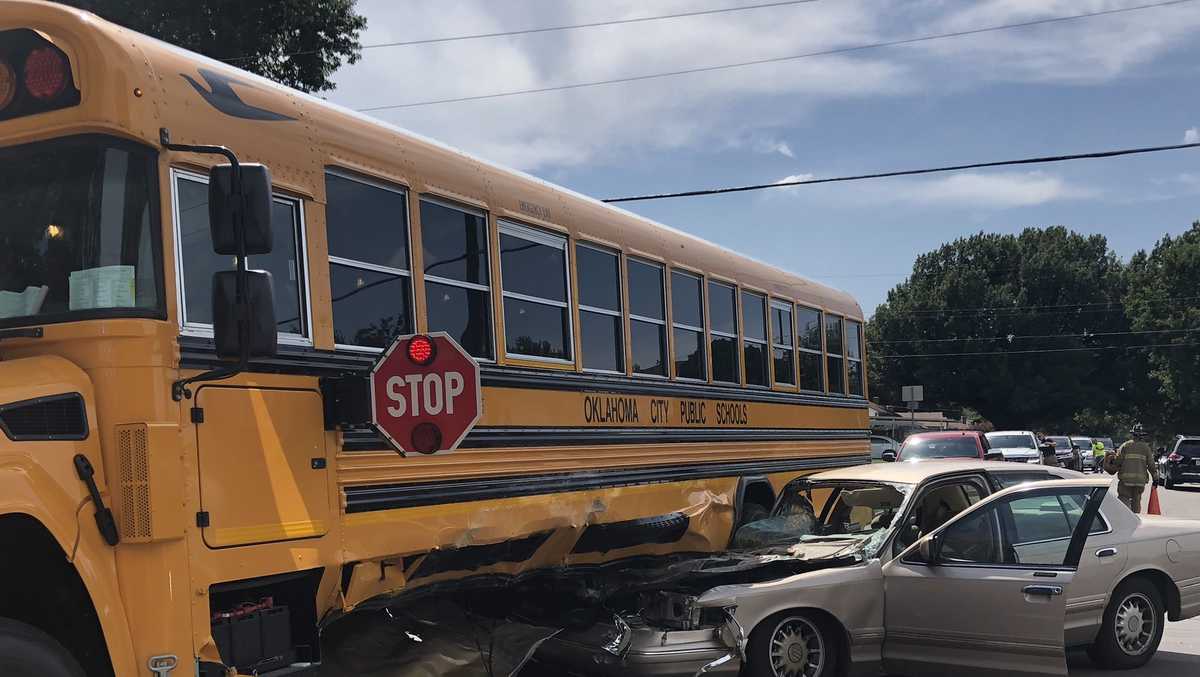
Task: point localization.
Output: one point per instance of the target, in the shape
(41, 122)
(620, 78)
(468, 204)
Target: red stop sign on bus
(425, 393)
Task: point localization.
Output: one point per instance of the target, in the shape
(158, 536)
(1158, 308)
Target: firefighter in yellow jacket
(1133, 464)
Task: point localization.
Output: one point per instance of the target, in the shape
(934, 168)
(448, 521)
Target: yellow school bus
(633, 376)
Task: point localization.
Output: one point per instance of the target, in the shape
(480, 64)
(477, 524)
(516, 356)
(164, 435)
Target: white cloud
(995, 190)
(1192, 135)
(772, 146)
(795, 177)
(1010, 189)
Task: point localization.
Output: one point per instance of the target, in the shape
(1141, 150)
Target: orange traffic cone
(1153, 508)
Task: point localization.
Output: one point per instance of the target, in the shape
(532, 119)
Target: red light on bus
(420, 350)
(45, 73)
(8, 85)
(426, 438)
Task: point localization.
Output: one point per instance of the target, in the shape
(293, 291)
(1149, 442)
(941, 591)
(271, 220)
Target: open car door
(984, 595)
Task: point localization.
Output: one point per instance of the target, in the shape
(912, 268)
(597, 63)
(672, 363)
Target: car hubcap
(797, 649)
(1135, 624)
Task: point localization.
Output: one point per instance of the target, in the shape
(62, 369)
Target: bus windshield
(79, 234)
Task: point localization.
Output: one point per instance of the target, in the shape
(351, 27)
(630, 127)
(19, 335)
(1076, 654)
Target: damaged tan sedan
(926, 568)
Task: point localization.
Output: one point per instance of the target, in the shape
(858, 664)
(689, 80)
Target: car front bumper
(652, 652)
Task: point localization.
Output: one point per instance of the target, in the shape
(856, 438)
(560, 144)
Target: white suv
(1018, 446)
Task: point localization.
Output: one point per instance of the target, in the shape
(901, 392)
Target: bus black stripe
(488, 437)
(410, 495)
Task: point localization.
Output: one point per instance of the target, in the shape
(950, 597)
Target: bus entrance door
(263, 473)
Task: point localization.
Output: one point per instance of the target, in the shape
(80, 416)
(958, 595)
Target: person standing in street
(1133, 464)
(1097, 456)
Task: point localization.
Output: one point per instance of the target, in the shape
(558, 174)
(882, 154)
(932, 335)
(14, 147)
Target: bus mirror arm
(236, 200)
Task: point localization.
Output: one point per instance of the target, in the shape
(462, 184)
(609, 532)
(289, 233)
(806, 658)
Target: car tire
(791, 638)
(26, 651)
(1168, 482)
(1122, 644)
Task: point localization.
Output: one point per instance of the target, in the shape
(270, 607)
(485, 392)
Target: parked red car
(949, 444)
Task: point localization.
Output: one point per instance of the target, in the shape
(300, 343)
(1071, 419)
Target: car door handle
(1106, 552)
(1045, 590)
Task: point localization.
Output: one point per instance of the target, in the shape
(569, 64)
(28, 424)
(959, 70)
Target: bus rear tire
(26, 651)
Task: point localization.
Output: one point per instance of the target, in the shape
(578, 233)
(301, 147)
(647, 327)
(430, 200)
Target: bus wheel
(26, 651)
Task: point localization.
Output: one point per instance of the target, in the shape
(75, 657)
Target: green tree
(299, 43)
(991, 293)
(1163, 297)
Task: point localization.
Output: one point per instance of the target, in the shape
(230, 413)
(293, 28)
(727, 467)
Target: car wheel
(1168, 482)
(26, 651)
(1132, 627)
(793, 644)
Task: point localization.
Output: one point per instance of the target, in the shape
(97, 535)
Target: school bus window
(601, 328)
(369, 275)
(854, 362)
(198, 262)
(647, 319)
(458, 299)
(808, 330)
(783, 346)
(77, 210)
(722, 318)
(533, 269)
(833, 353)
(754, 338)
(687, 320)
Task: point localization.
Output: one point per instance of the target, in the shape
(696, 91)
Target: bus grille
(134, 459)
(58, 417)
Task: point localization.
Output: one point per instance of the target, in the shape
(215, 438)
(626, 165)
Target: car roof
(1011, 432)
(942, 434)
(915, 472)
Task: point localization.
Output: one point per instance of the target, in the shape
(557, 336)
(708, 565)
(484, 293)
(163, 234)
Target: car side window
(935, 506)
(1032, 530)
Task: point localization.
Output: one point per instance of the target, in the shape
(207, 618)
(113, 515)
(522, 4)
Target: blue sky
(1106, 82)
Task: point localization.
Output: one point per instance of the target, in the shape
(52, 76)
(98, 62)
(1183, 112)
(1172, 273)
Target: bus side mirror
(253, 196)
(257, 336)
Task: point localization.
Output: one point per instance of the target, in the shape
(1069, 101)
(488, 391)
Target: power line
(548, 29)
(911, 172)
(1036, 351)
(778, 59)
(1013, 337)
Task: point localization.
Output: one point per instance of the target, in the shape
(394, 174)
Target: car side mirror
(252, 194)
(929, 549)
(888, 455)
(258, 334)
(993, 456)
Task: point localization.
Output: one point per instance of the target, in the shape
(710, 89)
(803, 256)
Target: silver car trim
(973, 642)
(707, 667)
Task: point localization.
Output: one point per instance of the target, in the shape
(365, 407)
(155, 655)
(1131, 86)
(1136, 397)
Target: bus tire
(26, 651)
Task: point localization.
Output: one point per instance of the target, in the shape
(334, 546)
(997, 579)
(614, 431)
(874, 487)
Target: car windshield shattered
(847, 515)
(954, 447)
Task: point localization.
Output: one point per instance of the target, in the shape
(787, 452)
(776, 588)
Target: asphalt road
(1179, 653)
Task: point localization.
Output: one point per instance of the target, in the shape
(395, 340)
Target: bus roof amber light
(8, 85)
(45, 73)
